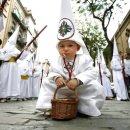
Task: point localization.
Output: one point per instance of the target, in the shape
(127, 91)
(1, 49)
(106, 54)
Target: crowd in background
(20, 79)
(116, 79)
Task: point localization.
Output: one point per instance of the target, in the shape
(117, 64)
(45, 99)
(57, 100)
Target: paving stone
(23, 116)
(13, 121)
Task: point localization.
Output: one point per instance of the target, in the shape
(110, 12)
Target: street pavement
(22, 115)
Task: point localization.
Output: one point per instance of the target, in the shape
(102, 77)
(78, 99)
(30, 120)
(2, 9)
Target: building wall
(31, 33)
(122, 34)
(6, 17)
(15, 14)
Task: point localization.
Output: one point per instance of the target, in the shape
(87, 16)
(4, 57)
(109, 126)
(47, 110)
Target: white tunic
(118, 79)
(24, 65)
(127, 66)
(36, 80)
(30, 80)
(90, 94)
(106, 82)
(24, 83)
(9, 74)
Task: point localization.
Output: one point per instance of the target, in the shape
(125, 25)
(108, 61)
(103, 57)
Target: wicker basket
(64, 108)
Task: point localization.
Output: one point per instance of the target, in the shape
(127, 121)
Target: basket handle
(75, 93)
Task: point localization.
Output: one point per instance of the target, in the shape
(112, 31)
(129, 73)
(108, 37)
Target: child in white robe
(83, 78)
(72, 70)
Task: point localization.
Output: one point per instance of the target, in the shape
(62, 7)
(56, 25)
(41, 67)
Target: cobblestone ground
(21, 115)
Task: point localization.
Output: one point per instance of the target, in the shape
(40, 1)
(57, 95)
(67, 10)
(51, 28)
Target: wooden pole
(100, 73)
(30, 43)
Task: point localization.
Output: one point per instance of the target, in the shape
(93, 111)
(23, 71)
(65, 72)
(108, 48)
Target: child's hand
(72, 84)
(60, 82)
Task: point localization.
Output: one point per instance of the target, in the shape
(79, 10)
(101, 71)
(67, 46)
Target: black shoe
(109, 98)
(82, 115)
(3, 100)
(8, 99)
(114, 96)
(124, 99)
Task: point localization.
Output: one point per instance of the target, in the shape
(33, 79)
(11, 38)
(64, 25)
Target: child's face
(68, 49)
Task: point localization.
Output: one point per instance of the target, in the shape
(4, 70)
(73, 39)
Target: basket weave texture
(64, 108)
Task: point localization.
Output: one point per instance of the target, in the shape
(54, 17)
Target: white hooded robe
(90, 94)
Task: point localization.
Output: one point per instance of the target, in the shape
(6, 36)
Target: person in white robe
(10, 81)
(23, 64)
(118, 79)
(23, 68)
(106, 83)
(46, 68)
(37, 72)
(81, 75)
(31, 68)
(127, 70)
(105, 73)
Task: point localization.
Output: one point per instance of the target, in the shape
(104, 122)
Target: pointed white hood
(11, 42)
(67, 29)
(116, 57)
(115, 49)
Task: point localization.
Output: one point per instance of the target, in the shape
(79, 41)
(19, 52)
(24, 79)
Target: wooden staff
(100, 73)
(41, 77)
(30, 43)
